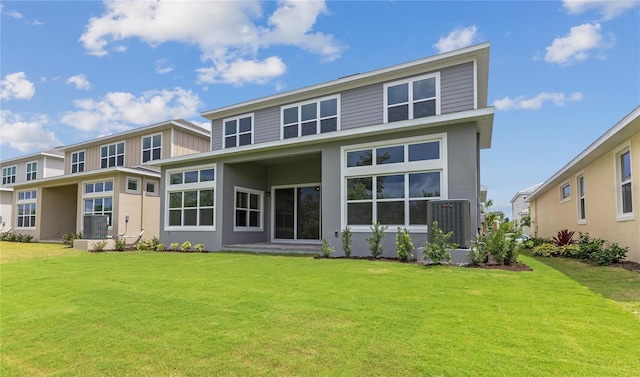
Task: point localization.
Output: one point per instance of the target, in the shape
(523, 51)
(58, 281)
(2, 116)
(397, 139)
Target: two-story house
(25, 169)
(106, 176)
(520, 208)
(299, 166)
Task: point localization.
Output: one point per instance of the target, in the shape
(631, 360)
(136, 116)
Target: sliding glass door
(297, 213)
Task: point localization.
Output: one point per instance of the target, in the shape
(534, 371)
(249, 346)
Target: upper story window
(112, 155)
(9, 175)
(238, 131)
(32, 170)
(151, 147)
(77, 162)
(413, 98)
(311, 117)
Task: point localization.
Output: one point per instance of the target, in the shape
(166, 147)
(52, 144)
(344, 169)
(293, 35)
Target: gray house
(299, 166)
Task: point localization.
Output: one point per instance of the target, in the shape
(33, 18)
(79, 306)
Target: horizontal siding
(267, 125)
(362, 107)
(216, 134)
(456, 88)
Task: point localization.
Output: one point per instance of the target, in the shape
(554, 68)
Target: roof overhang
(32, 156)
(61, 180)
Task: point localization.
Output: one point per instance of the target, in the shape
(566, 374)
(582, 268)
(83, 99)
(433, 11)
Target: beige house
(597, 192)
(105, 176)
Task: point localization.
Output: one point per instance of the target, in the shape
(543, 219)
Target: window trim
(99, 195)
(142, 148)
(124, 154)
(618, 152)
(581, 201)
(238, 133)
(260, 210)
(138, 185)
(564, 184)
(28, 173)
(9, 174)
(156, 186)
(299, 105)
(409, 81)
(22, 202)
(84, 163)
(194, 186)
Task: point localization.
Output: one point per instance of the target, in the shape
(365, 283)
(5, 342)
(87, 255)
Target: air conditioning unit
(451, 215)
(95, 227)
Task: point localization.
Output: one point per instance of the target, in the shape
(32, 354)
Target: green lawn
(70, 313)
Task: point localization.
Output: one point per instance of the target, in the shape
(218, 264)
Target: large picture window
(624, 184)
(190, 198)
(151, 148)
(98, 198)
(412, 98)
(77, 162)
(26, 205)
(9, 175)
(248, 209)
(238, 131)
(32, 170)
(310, 118)
(112, 155)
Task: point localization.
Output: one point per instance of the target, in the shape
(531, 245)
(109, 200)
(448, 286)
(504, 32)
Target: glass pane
(290, 131)
(120, 148)
(424, 185)
(74, 158)
(132, 185)
(190, 217)
(424, 88)
(111, 161)
(359, 188)
(245, 139)
(390, 155)
(245, 124)
(108, 204)
(230, 127)
(398, 94)
(191, 176)
(99, 186)
(309, 128)
(146, 142)
(390, 186)
(151, 187)
(581, 185)
(104, 163)
(81, 156)
(157, 140)
(108, 186)
(74, 168)
(424, 109)
(103, 152)
(146, 156)
(206, 217)
(20, 221)
(284, 209)
(397, 113)
(582, 211)
(81, 166)
(625, 165)
(88, 206)
(291, 115)
(21, 196)
(175, 217)
(566, 191)
(190, 199)
(418, 212)
(175, 178)
(424, 151)
(97, 205)
(88, 188)
(308, 215)
(329, 125)
(359, 158)
(359, 214)
(254, 219)
(627, 198)
(207, 175)
(206, 198)
(229, 141)
(112, 149)
(391, 213)
(120, 161)
(156, 153)
(329, 108)
(309, 111)
(242, 200)
(175, 200)
(254, 201)
(241, 217)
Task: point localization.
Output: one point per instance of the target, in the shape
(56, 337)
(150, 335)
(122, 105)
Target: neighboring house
(106, 176)
(25, 169)
(299, 166)
(520, 208)
(596, 192)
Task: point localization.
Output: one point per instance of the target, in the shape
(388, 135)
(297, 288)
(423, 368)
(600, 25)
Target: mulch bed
(629, 265)
(488, 266)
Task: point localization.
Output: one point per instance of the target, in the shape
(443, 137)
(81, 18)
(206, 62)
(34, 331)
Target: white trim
(237, 133)
(138, 182)
(84, 161)
(618, 183)
(195, 186)
(561, 193)
(318, 118)
(410, 100)
(295, 214)
(155, 183)
(142, 149)
(475, 83)
(260, 209)
(581, 196)
(26, 171)
(104, 194)
(14, 175)
(124, 154)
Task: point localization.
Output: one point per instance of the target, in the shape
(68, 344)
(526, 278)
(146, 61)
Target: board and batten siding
(52, 167)
(184, 143)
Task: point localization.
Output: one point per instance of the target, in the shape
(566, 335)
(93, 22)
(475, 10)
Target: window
(112, 155)
(190, 198)
(310, 118)
(238, 131)
(151, 148)
(26, 204)
(413, 98)
(391, 184)
(32, 170)
(133, 185)
(582, 216)
(9, 175)
(77, 162)
(624, 183)
(98, 198)
(151, 188)
(565, 192)
(248, 209)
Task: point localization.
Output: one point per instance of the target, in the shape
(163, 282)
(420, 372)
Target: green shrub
(186, 246)
(404, 245)
(589, 246)
(326, 250)
(375, 241)
(537, 241)
(546, 250)
(502, 243)
(16, 237)
(161, 247)
(142, 245)
(612, 254)
(153, 243)
(121, 243)
(571, 251)
(438, 249)
(174, 246)
(346, 241)
(25, 238)
(68, 238)
(99, 245)
(199, 248)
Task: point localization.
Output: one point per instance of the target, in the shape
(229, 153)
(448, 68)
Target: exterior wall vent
(451, 215)
(95, 227)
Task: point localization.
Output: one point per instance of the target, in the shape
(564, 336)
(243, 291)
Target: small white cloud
(243, 71)
(80, 82)
(575, 47)
(535, 103)
(118, 110)
(163, 66)
(608, 9)
(16, 85)
(458, 38)
(26, 135)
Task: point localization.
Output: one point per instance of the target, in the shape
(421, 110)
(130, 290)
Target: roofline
(343, 81)
(479, 116)
(118, 169)
(33, 155)
(624, 122)
(528, 190)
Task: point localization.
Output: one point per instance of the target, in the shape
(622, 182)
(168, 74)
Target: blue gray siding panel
(216, 134)
(267, 125)
(456, 88)
(361, 107)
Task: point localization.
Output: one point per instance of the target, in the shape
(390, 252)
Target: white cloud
(80, 81)
(227, 33)
(575, 47)
(242, 71)
(608, 9)
(16, 85)
(163, 66)
(26, 135)
(17, 15)
(118, 110)
(458, 38)
(535, 103)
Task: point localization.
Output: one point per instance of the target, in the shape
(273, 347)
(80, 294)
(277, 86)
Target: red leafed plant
(564, 237)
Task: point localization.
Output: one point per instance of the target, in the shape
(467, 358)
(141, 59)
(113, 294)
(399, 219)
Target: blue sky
(561, 72)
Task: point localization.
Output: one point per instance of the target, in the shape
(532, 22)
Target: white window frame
(260, 209)
(9, 174)
(581, 202)
(406, 168)
(619, 183)
(138, 182)
(410, 101)
(104, 194)
(32, 200)
(564, 199)
(116, 155)
(151, 148)
(237, 134)
(194, 186)
(32, 174)
(318, 118)
(155, 187)
(78, 162)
